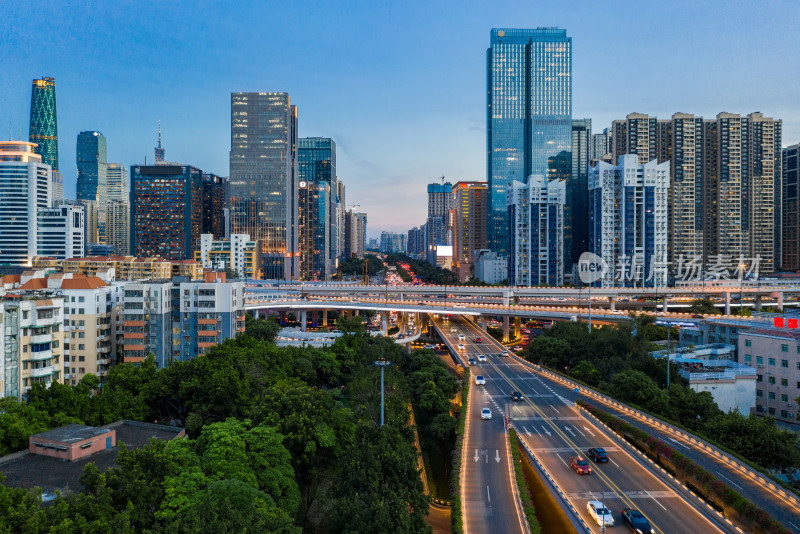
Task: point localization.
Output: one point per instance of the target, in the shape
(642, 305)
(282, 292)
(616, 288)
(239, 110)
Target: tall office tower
(166, 210)
(24, 190)
(60, 231)
(529, 113)
(576, 224)
(628, 218)
(160, 152)
(415, 244)
(92, 159)
(440, 203)
(263, 178)
(90, 221)
(316, 163)
(469, 225)
(118, 228)
(790, 249)
(536, 215)
(341, 209)
(601, 146)
(637, 134)
(315, 230)
(742, 191)
(683, 135)
(43, 128)
(215, 197)
(117, 182)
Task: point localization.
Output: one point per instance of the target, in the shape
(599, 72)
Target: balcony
(44, 371)
(38, 356)
(104, 361)
(42, 338)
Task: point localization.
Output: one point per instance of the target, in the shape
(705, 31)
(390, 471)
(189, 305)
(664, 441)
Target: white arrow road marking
(546, 431)
(678, 443)
(589, 431)
(528, 432)
(476, 455)
(568, 429)
(497, 456)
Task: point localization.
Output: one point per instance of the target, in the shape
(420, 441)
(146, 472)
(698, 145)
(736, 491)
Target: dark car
(636, 521)
(471, 361)
(598, 454)
(478, 340)
(516, 396)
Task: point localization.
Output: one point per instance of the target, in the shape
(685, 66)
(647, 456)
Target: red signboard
(792, 323)
(777, 322)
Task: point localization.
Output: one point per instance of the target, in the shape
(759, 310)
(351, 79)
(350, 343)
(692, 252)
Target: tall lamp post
(382, 363)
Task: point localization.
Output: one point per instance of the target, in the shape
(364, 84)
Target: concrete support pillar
(384, 322)
(612, 303)
(665, 305)
(779, 296)
(727, 303)
(517, 327)
(324, 317)
(482, 322)
(343, 314)
(758, 302)
(303, 319)
(505, 329)
(401, 297)
(506, 297)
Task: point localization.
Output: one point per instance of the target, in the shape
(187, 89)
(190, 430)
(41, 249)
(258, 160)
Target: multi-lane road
(554, 429)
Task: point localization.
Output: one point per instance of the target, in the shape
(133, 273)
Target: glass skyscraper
(318, 216)
(529, 115)
(43, 128)
(92, 159)
(263, 178)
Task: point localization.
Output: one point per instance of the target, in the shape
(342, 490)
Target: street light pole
(590, 308)
(382, 363)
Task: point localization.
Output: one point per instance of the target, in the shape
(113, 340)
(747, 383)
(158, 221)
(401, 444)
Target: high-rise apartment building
(318, 213)
(742, 191)
(601, 146)
(470, 200)
(355, 234)
(536, 218)
(263, 178)
(60, 231)
(117, 182)
(240, 254)
(790, 249)
(392, 242)
(215, 201)
(43, 128)
(628, 220)
(529, 114)
(576, 224)
(118, 226)
(33, 345)
(166, 210)
(636, 134)
(416, 243)
(683, 135)
(24, 190)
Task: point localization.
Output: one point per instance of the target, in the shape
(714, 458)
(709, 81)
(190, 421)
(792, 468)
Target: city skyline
(422, 93)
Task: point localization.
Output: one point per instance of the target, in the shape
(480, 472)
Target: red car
(580, 465)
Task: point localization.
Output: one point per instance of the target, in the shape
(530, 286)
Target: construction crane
(442, 179)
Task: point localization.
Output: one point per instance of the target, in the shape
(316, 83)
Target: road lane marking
(546, 431)
(579, 431)
(562, 460)
(476, 455)
(497, 456)
(729, 480)
(574, 435)
(678, 442)
(488, 497)
(654, 499)
(586, 428)
(613, 462)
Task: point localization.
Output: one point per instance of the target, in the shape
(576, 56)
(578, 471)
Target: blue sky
(400, 86)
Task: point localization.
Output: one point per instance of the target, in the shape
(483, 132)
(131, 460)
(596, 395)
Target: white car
(481, 358)
(461, 337)
(460, 346)
(504, 353)
(601, 515)
(480, 381)
(486, 413)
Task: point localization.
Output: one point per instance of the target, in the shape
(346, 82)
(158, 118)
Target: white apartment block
(61, 231)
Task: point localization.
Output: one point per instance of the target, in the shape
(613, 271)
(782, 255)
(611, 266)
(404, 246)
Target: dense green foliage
(425, 271)
(355, 266)
(616, 362)
(714, 490)
(704, 307)
(281, 440)
(456, 521)
(522, 484)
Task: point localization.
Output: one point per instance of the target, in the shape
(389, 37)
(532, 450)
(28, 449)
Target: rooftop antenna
(10, 131)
